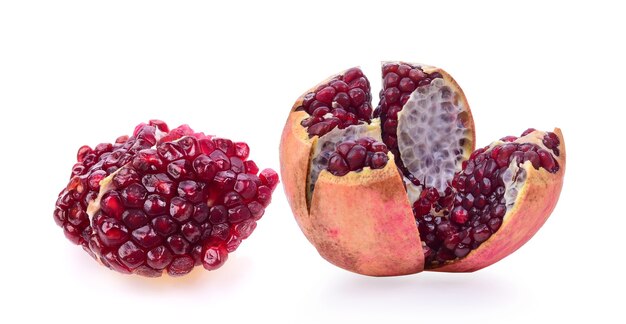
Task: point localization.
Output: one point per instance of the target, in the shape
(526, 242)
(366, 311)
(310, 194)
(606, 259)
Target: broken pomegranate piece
(433, 202)
(163, 200)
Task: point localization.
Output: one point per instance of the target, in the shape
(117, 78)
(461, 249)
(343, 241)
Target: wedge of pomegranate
(163, 200)
(400, 189)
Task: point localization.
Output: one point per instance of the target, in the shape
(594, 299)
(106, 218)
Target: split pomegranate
(163, 200)
(423, 198)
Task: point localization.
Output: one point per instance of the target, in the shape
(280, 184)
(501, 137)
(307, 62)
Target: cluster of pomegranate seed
(399, 81)
(163, 200)
(459, 220)
(356, 155)
(550, 140)
(343, 101)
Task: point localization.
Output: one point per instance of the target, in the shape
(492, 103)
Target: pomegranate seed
(391, 80)
(528, 131)
(352, 74)
(337, 165)
(218, 214)
(508, 139)
(146, 236)
(504, 154)
(533, 157)
(82, 152)
(326, 95)
(345, 97)
(134, 195)
(357, 96)
(264, 195)
(147, 161)
(403, 70)
(214, 256)
(125, 177)
(165, 199)
(355, 155)
(159, 258)
(111, 204)
(246, 186)
(205, 167)
(238, 214)
(340, 86)
(256, 210)
(406, 85)
(269, 178)
(379, 160)
(224, 180)
(180, 266)
(169, 151)
(416, 74)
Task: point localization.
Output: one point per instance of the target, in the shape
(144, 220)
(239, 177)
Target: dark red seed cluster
(170, 200)
(550, 140)
(466, 215)
(356, 155)
(399, 81)
(343, 101)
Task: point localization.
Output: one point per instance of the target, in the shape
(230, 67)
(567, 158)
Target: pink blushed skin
(295, 151)
(363, 222)
(534, 204)
(295, 156)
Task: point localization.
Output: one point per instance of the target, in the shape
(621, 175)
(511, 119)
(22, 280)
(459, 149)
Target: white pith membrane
(514, 178)
(325, 146)
(431, 134)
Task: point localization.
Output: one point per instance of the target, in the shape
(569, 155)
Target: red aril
(163, 200)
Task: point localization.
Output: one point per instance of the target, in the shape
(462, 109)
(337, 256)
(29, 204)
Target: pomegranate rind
(534, 204)
(295, 151)
(362, 222)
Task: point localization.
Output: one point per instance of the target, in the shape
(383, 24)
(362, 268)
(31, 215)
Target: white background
(83, 72)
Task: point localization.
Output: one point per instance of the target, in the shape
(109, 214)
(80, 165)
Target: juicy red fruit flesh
(356, 155)
(343, 101)
(459, 220)
(172, 200)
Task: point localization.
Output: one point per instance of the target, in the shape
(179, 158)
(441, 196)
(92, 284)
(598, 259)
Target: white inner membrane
(514, 178)
(326, 146)
(431, 135)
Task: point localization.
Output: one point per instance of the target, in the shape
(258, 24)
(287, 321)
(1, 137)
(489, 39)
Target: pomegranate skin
(362, 222)
(295, 151)
(534, 204)
(295, 157)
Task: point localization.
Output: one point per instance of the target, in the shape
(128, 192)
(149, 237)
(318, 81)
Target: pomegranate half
(399, 189)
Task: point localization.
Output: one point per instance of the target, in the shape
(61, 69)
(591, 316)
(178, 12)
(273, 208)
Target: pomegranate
(399, 189)
(163, 200)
